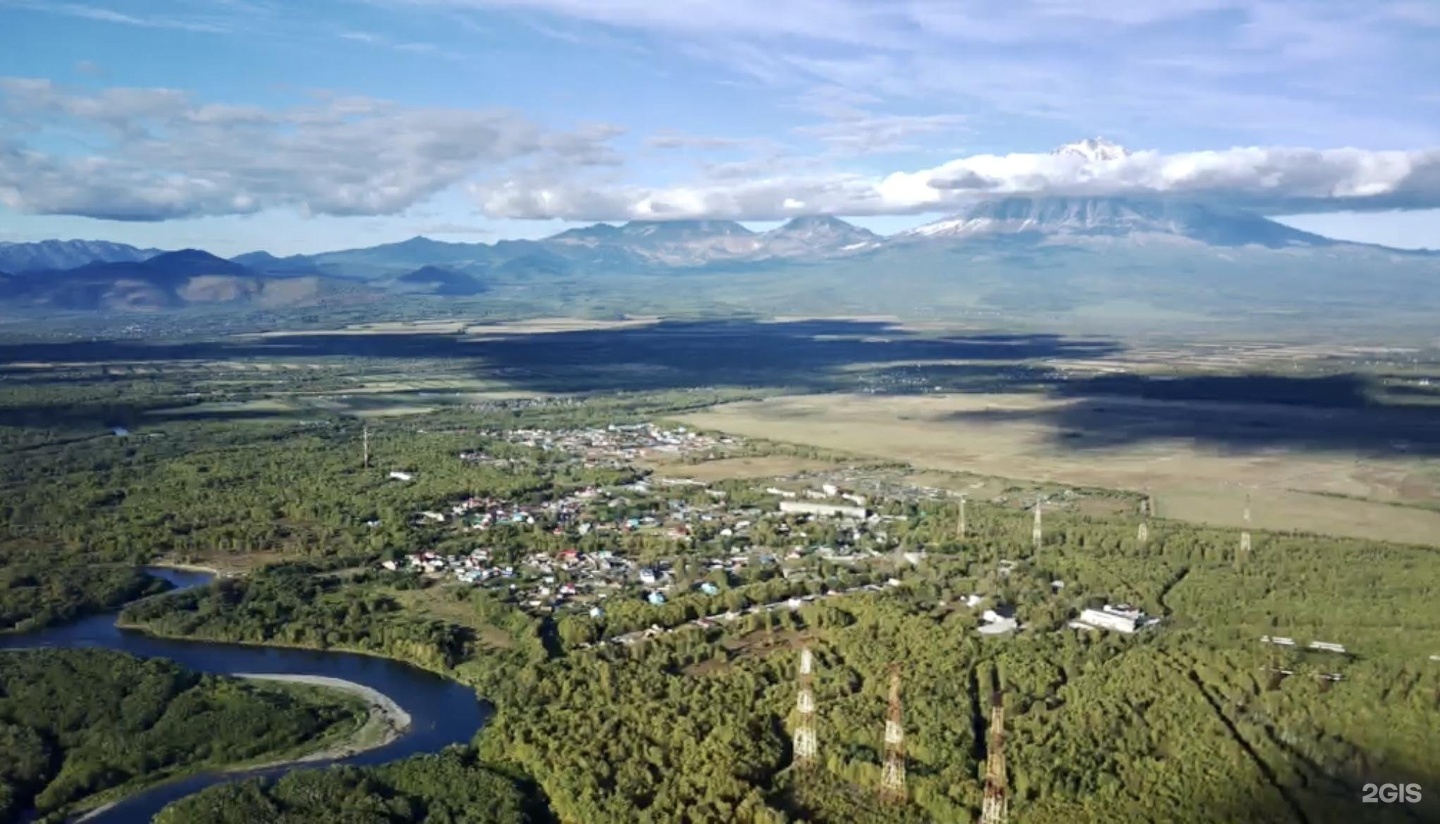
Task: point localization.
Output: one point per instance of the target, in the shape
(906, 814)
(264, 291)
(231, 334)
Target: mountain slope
(171, 280)
(817, 236)
(435, 280)
(67, 254)
(1062, 218)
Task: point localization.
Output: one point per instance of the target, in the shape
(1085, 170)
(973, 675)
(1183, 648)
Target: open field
(1016, 436)
(768, 466)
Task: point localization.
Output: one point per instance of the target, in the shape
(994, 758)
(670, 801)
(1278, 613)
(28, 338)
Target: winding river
(442, 712)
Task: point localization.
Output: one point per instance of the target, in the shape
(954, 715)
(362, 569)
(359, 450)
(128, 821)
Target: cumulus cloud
(1263, 179)
(161, 155)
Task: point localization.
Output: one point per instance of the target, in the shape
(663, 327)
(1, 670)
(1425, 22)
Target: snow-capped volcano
(1094, 149)
(817, 235)
(1076, 217)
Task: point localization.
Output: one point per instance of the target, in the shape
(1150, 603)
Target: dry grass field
(1290, 489)
(769, 466)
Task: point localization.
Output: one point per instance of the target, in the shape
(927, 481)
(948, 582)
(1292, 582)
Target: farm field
(1013, 436)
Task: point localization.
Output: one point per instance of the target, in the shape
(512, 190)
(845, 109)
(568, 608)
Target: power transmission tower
(365, 440)
(996, 803)
(892, 778)
(805, 742)
(1035, 534)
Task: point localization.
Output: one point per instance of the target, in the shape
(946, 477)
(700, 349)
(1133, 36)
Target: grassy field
(1327, 492)
(768, 466)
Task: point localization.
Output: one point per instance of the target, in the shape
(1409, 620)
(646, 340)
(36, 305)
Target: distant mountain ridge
(1012, 252)
(67, 254)
(1073, 217)
(170, 280)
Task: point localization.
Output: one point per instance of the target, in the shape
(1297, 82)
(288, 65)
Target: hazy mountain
(1056, 219)
(66, 254)
(266, 262)
(436, 280)
(169, 280)
(817, 236)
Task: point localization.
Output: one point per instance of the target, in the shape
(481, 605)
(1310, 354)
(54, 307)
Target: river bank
(387, 722)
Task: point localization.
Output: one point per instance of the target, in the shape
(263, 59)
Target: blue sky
(236, 125)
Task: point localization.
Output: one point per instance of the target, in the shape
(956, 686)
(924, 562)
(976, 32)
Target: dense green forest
(448, 788)
(76, 723)
(1181, 723)
(34, 595)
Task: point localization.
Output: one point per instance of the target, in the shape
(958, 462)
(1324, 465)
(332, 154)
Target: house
(998, 621)
(709, 588)
(655, 598)
(647, 576)
(401, 476)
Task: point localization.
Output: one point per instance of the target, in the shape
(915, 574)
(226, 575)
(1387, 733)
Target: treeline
(290, 604)
(74, 723)
(448, 788)
(34, 596)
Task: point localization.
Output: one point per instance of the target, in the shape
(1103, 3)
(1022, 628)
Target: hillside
(171, 280)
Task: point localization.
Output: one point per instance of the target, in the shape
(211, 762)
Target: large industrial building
(823, 509)
(1120, 618)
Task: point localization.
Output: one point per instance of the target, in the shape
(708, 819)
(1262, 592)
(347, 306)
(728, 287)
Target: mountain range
(1009, 253)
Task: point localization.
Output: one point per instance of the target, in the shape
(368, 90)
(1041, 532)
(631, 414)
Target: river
(442, 712)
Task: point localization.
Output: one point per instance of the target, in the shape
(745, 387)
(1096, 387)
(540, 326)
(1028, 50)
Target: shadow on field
(1233, 413)
(808, 355)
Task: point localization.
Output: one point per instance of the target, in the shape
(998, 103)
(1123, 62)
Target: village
(660, 540)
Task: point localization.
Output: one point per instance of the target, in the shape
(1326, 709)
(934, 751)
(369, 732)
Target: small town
(694, 539)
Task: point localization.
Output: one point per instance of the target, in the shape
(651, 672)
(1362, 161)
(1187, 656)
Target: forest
(34, 595)
(1183, 722)
(448, 788)
(80, 726)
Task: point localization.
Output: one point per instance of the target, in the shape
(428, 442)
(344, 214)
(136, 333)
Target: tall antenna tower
(1147, 511)
(805, 745)
(996, 803)
(892, 778)
(365, 440)
(1035, 534)
(960, 528)
(1245, 535)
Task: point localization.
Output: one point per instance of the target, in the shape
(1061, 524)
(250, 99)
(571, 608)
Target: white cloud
(1268, 71)
(1290, 179)
(161, 155)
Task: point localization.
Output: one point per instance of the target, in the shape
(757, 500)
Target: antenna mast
(1245, 535)
(1035, 534)
(892, 778)
(996, 803)
(805, 743)
(960, 528)
(365, 440)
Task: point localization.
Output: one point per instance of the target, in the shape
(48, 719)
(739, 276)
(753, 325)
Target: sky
(237, 125)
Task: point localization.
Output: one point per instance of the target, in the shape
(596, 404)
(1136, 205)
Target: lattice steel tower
(996, 804)
(805, 742)
(892, 777)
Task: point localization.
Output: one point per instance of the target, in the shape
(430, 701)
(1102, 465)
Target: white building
(1120, 618)
(810, 508)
